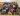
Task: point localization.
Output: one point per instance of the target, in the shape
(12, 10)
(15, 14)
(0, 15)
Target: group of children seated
(11, 8)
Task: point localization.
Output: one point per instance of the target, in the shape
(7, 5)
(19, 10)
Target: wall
(7, 0)
(18, 1)
(1, 5)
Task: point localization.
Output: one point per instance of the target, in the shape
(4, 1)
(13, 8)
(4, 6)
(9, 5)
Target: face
(13, 5)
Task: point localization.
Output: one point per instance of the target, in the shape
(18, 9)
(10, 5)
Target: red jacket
(12, 9)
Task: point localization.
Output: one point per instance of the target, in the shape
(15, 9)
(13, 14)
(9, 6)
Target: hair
(15, 4)
(5, 3)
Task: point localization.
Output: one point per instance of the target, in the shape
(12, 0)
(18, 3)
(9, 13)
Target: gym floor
(8, 15)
